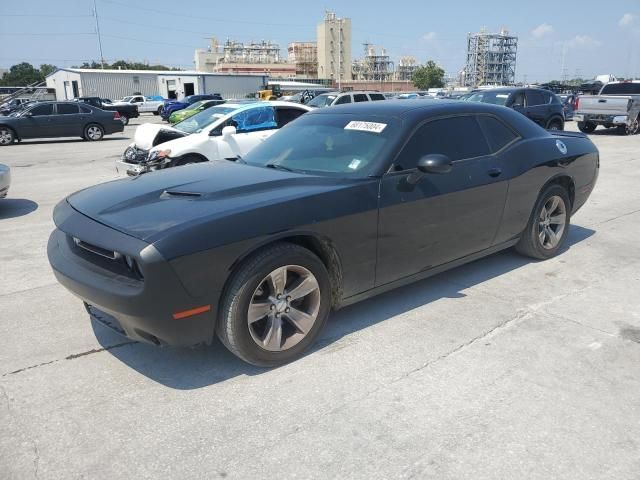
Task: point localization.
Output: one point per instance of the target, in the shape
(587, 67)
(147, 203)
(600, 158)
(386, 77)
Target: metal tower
(491, 58)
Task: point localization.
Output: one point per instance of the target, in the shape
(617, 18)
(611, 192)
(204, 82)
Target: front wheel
(548, 226)
(555, 125)
(93, 133)
(586, 127)
(6, 136)
(158, 111)
(275, 305)
(124, 119)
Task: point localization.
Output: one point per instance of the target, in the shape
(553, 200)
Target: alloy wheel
(284, 308)
(552, 222)
(94, 133)
(5, 137)
(633, 128)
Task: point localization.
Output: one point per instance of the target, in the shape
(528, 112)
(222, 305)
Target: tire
(257, 342)
(93, 132)
(555, 124)
(536, 242)
(124, 119)
(586, 127)
(158, 111)
(7, 136)
(631, 129)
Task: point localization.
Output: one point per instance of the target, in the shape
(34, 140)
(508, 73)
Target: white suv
(339, 98)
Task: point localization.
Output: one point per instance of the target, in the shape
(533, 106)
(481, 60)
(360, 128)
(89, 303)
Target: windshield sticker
(366, 126)
(354, 163)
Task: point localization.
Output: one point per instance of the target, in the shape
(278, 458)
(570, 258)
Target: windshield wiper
(277, 166)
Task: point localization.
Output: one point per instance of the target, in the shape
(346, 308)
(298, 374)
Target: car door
(536, 108)
(343, 99)
(38, 122)
(442, 217)
(140, 102)
(360, 97)
(68, 120)
(284, 115)
(252, 127)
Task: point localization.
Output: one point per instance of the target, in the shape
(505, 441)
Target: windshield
(197, 122)
(195, 105)
(322, 100)
(339, 145)
(621, 89)
(495, 98)
(126, 99)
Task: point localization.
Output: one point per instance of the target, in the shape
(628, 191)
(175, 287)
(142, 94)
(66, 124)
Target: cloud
(429, 36)
(542, 30)
(627, 20)
(583, 41)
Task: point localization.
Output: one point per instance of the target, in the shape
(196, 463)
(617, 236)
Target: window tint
(84, 109)
(376, 96)
(518, 99)
(498, 134)
(457, 137)
(44, 109)
(360, 97)
(260, 118)
(627, 88)
(343, 99)
(286, 115)
(534, 98)
(67, 109)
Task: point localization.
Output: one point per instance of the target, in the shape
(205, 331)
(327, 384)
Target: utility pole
(95, 14)
(340, 54)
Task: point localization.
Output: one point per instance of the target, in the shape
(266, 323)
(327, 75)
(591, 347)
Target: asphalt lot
(504, 368)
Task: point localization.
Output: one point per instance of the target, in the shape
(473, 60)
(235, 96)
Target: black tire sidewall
(236, 305)
(532, 227)
(586, 127)
(13, 137)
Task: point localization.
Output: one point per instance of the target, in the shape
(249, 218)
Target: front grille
(135, 155)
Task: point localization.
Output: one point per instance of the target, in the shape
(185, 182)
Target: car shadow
(187, 369)
(16, 207)
(606, 131)
(53, 141)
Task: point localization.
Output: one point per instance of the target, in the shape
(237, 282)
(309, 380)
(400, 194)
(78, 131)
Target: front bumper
(141, 308)
(5, 181)
(131, 169)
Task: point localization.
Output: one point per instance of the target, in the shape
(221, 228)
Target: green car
(192, 109)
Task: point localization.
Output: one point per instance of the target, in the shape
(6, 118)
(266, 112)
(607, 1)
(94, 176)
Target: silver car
(5, 180)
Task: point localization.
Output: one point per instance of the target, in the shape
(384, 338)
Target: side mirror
(228, 132)
(434, 163)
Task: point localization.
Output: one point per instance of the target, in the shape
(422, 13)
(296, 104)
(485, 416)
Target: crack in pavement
(72, 357)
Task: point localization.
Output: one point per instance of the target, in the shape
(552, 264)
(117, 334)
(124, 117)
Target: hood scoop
(179, 194)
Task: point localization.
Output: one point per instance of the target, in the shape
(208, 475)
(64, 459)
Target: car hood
(148, 135)
(151, 206)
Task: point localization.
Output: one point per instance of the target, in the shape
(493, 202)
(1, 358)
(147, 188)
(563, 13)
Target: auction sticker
(366, 126)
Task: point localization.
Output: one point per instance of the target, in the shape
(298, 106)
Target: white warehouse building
(70, 83)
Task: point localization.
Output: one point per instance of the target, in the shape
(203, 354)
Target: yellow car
(192, 109)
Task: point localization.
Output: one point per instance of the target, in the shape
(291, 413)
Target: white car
(144, 104)
(226, 131)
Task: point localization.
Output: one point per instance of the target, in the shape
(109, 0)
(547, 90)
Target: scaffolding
(407, 66)
(373, 67)
(304, 55)
(491, 59)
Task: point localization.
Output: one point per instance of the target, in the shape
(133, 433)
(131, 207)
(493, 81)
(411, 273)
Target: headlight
(158, 155)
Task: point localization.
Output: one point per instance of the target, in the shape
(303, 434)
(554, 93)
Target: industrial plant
(491, 59)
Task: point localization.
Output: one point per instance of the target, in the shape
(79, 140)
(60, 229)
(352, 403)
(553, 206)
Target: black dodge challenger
(340, 205)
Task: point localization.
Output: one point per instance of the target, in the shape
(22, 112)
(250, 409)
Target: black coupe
(339, 205)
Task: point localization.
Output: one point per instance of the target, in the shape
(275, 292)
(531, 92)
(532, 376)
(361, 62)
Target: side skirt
(425, 274)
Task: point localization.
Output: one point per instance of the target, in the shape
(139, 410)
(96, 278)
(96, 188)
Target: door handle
(495, 172)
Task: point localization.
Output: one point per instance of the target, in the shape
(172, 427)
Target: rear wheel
(275, 305)
(6, 136)
(93, 132)
(548, 225)
(629, 129)
(124, 119)
(586, 127)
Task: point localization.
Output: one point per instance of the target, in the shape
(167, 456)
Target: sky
(572, 38)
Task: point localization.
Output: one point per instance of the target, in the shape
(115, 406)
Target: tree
(47, 69)
(428, 76)
(20, 75)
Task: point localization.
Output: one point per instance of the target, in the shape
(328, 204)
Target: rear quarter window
(497, 133)
(376, 96)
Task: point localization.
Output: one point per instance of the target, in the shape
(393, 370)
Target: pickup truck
(617, 104)
(126, 111)
(144, 104)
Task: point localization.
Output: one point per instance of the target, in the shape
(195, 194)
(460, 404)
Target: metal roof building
(70, 83)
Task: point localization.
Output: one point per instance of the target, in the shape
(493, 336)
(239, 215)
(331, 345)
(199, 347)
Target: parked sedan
(541, 106)
(171, 106)
(226, 131)
(59, 119)
(5, 180)
(340, 205)
(192, 109)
